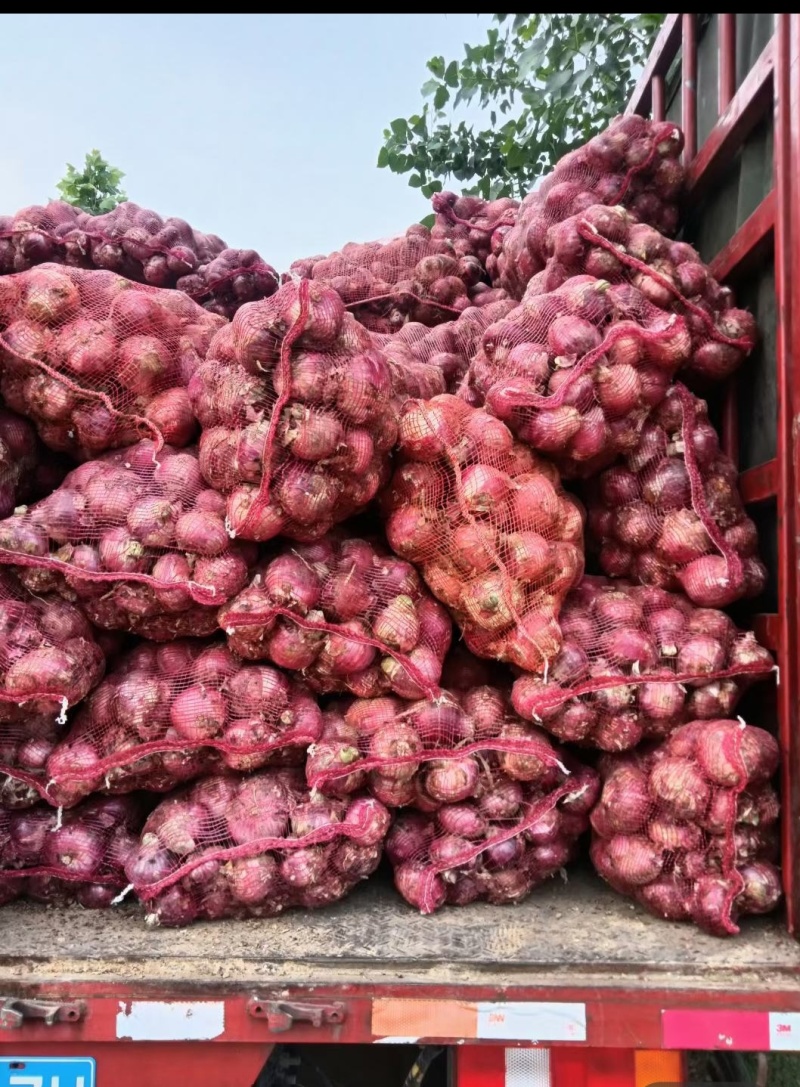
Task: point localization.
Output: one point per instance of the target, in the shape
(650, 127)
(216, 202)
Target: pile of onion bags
(671, 515)
(137, 538)
(637, 662)
(27, 470)
(633, 162)
(166, 714)
(49, 658)
(345, 614)
(473, 226)
(73, 856)
(608, 243)
(430, 752)
(98, 362)
(414, 277)
(487, 523)
(575, 372)
(252, 847)
(295, 401)
(689, 827)
(497, 846)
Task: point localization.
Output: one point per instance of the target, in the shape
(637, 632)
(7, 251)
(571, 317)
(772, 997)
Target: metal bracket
(14, 1011)
(281, 1015)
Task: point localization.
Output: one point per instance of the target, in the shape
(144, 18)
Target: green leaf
(428, 221)
(429, 87)
(451, 74)
(416, 182)
(436, 65)
(400, 128)
(430, 188)
(383, 158)
(441, 97)
(557, 80)
(531, 58)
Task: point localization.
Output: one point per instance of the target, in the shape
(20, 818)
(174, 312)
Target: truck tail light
(658, 1066)
(499, 1066)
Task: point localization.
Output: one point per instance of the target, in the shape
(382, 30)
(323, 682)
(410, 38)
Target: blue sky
(263, 129)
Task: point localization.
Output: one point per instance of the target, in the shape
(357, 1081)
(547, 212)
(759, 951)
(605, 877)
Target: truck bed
(576, 933)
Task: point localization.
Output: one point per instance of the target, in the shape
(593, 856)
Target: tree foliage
(95, 188)
(543, 82)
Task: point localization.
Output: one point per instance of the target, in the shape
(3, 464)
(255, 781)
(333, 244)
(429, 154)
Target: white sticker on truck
(532, 1021)
(170, 1021)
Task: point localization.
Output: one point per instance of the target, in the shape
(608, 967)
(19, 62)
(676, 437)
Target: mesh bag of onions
(497, 540)
(689, 828)
(233, 277)
(26, 743)
(469, 223)
(49, 659)
(137, 539)
(252, 847)
(633, 162)
(347, 615)
(637, 662)
(430, 361)
(575, 372)
(414, 277)
(27, 471)
(607, 242)
(498, 845)
(73, 856)
(169, 713)
(671, 515)
(98, 362)
(429, 752)
(296, 405)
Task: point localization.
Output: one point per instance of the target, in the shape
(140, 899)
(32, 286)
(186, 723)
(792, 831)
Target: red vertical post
(727, 61)
(689, 88)
(658, 98)
(787, 289)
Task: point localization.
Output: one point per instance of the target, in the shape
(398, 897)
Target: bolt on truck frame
(576, 987)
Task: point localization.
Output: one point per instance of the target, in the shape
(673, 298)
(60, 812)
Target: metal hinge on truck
(14, 1011)
(281, 1015)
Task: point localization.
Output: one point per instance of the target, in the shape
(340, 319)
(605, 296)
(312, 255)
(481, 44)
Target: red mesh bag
(689, 828)
(429, 752)
(470, 223)
(26, 742)
(496, 538)
(76, 856)
(168, 713)
(610, 244)
(98, 362)
(49, 659)
(633, 162)
(575, 372)
(512, 836)
(296, 404)
(637, 662)
(413, 277)
(252, 847)
(671, 514)
(138, 244)
(429, 361)
(345, 614)
(27, 471)
(137, 538)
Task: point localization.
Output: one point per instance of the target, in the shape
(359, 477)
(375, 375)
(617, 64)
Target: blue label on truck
(47, 1072)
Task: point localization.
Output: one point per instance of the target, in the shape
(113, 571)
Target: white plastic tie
(546, 668)
(229, 528)
(742, 722)
(62, 717)
(59, 819)
(123, 894)
(636, 670)
(562, 768)
(777, 672)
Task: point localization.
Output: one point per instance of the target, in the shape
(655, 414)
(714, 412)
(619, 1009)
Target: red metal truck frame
(619, 1015)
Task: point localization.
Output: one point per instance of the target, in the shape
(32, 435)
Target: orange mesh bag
(495, 537)
(137, 539)
(575, 372)
(345, 614)
(98, 362)
(689, 828)
(49, 659)
(633, 162)
(76, 856)
(168, 713)
(610, 244)
(413, 277)
(510, 836)
(253, 847)
(428, 752)
(429, 361)
(138, 244)
(670, 515)
(637, 662)
(296, 402)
